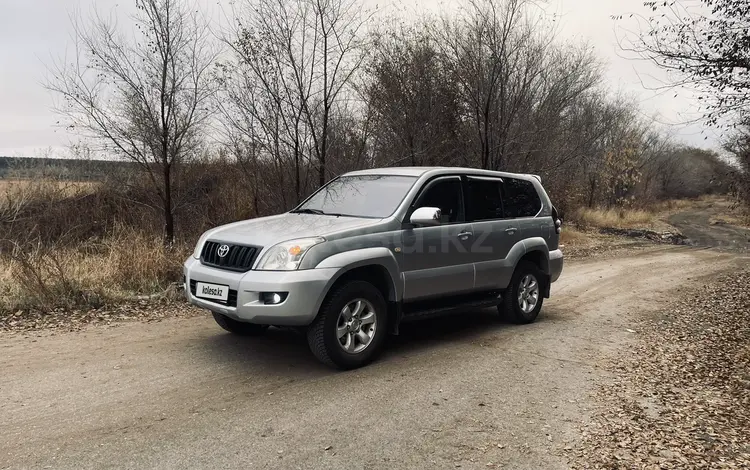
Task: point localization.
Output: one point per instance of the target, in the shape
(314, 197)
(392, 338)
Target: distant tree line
(309, 89)
(68, 169)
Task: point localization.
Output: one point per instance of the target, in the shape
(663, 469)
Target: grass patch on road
(681, 397)
(738, 217)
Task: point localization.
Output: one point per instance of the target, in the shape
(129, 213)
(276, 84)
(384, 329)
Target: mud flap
(395, 314)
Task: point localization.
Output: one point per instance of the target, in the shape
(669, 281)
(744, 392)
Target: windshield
(374, 196)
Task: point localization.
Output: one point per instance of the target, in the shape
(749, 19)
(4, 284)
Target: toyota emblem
(222, 251)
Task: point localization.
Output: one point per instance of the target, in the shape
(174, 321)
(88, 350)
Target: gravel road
(466, 391)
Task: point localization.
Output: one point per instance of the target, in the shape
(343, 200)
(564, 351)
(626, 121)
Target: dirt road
(702, 228)
(466, 391)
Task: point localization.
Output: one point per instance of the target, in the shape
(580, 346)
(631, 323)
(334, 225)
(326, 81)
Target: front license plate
(211, 291)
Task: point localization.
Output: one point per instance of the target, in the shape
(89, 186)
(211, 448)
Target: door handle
(511, 231)
(465, 235)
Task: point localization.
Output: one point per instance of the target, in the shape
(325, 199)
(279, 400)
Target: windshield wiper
(319, 212)
(309, 211)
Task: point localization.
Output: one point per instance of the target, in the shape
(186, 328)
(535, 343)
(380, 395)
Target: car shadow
(280, 351)
(284, 352)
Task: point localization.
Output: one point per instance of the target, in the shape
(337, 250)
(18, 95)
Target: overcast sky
(34, 31)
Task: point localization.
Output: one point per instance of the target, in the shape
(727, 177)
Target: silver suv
(374, 248)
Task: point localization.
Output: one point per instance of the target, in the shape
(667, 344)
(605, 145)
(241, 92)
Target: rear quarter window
(520, 198)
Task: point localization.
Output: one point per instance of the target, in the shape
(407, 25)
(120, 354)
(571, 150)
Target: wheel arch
(375, 265)
(535, 250)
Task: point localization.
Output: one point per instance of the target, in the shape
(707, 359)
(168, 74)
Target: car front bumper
(305, 290)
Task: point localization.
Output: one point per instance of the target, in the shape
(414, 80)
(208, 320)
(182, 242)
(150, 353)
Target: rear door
(494, 234)
(522, 204)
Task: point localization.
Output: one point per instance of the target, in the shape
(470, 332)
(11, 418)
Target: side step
(443, 306)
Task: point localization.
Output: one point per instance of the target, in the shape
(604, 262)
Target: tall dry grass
(614, 217)
(90, 275)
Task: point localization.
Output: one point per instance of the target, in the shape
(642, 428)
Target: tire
(238, 327)
(335, 340)
(511, 306)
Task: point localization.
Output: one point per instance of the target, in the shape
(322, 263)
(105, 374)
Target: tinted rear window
(520, 198)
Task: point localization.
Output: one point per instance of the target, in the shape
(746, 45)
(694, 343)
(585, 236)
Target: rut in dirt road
(466, 390)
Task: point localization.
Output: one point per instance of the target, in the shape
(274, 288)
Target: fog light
(273, 298)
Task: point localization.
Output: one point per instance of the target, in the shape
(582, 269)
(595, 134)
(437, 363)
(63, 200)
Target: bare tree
(416, 107)
(705, 42)
(294, 61)
(494, 50)
(143, 96)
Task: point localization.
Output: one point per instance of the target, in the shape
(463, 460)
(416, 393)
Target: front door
(437, 260)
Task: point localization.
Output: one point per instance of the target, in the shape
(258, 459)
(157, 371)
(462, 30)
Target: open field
(15, 187)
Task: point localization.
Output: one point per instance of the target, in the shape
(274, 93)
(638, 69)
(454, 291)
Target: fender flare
(539, 244)
(358, 258)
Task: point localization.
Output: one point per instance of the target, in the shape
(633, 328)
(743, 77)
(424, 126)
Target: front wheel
(350, 328)
(523, 299)
(238, 327)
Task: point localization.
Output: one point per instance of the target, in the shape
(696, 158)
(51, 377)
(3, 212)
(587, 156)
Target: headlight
(286, 256)
(199, 246)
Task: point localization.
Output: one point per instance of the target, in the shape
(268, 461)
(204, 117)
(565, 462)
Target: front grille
(239, 258)
(231, 298)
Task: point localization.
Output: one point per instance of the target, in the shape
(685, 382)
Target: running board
(447, 305)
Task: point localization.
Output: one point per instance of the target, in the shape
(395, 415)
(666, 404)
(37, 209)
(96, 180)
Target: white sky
(34, 31)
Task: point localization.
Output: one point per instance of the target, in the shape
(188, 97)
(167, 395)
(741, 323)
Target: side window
(484, 199)
(520, 198)
(444, 193)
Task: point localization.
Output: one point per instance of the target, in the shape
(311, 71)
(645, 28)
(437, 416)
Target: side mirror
(426, 216)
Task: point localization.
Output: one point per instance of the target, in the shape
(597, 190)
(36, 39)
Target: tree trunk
(168, 215)
(592, 192)
(297, 183)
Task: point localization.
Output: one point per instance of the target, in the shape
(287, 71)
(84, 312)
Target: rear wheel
(238, 327)
(523, 299)
(350, 328)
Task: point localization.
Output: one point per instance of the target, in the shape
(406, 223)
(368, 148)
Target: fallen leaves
(681, 397)
(79, 319)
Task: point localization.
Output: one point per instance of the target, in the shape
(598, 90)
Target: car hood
(268, 231)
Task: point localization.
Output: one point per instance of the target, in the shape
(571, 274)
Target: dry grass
(141, 263)
(15, 188)
(572, 236)
(616, 218)
(739, 219)
(674, 205)
(90, 275)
